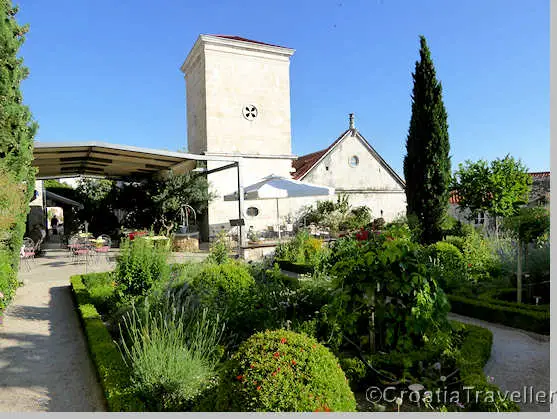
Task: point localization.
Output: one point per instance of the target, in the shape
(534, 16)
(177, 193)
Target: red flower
(276, 354)
(252, 366)
(274, 373)
(283, 340)
(239, 377)
(293, 362)
(258, 388)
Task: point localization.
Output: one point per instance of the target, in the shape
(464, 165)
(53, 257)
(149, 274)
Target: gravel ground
(519, 362)
(44, 363)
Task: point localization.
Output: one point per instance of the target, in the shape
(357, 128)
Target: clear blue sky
(109, 70)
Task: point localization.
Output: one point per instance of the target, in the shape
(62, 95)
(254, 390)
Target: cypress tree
(427, 165)
(17, 128)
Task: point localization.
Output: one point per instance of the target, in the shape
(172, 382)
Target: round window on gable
(252, 212)
(354, 161)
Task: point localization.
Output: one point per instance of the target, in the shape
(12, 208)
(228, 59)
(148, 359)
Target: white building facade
(238, 105)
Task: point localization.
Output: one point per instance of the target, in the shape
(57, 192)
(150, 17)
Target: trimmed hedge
(494, 297)
(113, 373)
(509, 314)
(471, 359)
(298, 268)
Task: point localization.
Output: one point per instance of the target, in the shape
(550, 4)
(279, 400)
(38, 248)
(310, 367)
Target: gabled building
(354, 168)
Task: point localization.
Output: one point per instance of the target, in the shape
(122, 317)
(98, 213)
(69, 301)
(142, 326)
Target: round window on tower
(250, 112)
(354, 161)
(252, 212)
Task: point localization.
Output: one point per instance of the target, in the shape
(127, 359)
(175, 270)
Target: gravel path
(44, 363)
(519, 362)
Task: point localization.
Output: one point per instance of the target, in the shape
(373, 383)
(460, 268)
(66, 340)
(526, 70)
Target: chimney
(351, 120)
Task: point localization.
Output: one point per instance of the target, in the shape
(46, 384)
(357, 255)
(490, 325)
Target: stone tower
(238, 104)
(238, 96)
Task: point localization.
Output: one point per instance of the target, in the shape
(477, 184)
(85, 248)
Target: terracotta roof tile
(239, 38)
(304, 163)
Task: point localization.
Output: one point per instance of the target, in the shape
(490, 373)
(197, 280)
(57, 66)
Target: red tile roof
(239, 38)
(455, 199)
(304, 163)
(539, 175)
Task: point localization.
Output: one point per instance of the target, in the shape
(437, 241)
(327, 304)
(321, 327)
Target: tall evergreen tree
(17, 127)
(427, 164)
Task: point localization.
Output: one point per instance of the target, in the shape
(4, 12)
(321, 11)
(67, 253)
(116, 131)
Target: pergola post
(241, 233)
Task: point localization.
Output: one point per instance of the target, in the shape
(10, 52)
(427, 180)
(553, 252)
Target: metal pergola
(99, 159)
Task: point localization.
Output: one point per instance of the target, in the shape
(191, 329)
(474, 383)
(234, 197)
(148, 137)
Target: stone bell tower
(238, 105)
(238, 96)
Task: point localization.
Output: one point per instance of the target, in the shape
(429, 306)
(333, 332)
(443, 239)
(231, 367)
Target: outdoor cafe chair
(27, 254)
(102, 247)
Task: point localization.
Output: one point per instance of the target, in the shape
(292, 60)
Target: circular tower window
(250, 112)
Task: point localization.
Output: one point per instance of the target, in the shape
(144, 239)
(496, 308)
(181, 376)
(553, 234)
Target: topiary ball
(283, 371)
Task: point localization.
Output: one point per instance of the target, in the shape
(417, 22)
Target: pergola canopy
(93, 158)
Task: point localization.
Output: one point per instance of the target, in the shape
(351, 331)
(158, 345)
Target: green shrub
(8, 279)
(219, 249)
(301, 250)
(226, 289)
(113, 373)
(172, 355)
(141, 265)
(391, 278)
(496, 312)
(481, 261)
(450, 262)
(355, 371)
(283, 371)
(456, 241)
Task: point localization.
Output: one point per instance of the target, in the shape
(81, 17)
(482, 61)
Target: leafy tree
(527, 225)
(156, 202)
(171, 193)
(97, 197)
(17, 127)
(55, 184)
(498, 188)
(427, 164)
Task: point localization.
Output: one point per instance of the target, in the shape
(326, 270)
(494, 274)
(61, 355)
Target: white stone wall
(222, 77)
(226, 182)
(369, 183)
(335, 170)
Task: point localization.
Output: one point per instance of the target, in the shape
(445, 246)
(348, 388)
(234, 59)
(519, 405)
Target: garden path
(519, 362)
(44, 362)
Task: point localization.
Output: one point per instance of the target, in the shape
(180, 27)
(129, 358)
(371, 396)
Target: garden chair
(104, 249)
(27, 254)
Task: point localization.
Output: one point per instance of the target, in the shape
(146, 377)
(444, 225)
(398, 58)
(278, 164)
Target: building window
(252, 212)
(250, 112)
(480, 218)
(354, 161)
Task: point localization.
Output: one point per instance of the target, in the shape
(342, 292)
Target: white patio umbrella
(278, 187)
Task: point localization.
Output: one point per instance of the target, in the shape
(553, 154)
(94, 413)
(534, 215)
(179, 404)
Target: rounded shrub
(227, 290)
(451, 263)
(283, 371)
(223, 285)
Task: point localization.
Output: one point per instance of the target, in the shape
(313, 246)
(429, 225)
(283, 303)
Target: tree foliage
(498, 188)
(427, 165)
(17, 130)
